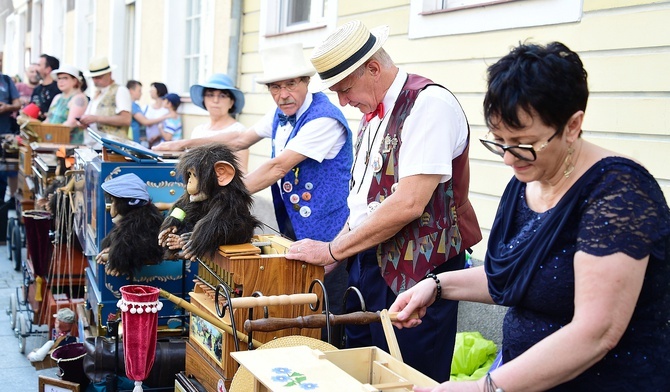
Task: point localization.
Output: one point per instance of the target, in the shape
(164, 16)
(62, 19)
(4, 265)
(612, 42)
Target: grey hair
(381, 56)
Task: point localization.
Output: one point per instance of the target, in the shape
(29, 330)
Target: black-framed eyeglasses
(525, 152)
(290, 86)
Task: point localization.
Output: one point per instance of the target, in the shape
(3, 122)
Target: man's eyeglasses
(290, 86)
(214, 94)
(525, 152)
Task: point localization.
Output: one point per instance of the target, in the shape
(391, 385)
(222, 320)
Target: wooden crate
(359, 369)
(46, 133)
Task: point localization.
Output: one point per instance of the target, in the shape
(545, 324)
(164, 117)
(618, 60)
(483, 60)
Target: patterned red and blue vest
(448, 225)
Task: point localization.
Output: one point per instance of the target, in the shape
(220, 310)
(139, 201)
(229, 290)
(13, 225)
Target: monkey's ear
(224, 172)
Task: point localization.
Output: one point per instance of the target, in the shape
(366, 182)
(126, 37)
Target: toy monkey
(215, 210)
(132, 242)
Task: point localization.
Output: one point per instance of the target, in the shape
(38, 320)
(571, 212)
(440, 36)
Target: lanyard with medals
(370, 145)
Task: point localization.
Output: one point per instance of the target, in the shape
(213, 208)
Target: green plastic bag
(473, 356)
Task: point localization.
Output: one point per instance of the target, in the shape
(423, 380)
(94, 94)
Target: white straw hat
(99, 66)
(345, 50)
(283, 63)
(67, 69)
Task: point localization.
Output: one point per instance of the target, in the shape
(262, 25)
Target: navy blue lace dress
(617, 206)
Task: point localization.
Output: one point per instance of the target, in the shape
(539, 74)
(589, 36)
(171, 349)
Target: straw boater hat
(99, 66)
(346, 49)
(284, 62)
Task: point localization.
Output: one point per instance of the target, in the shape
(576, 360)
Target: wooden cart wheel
(13, 307)
(23, 332)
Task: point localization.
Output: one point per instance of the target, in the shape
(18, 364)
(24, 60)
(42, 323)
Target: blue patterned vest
(448, 224)
(315, 194)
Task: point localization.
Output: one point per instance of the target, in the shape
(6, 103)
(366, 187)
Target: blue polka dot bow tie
(283, 119)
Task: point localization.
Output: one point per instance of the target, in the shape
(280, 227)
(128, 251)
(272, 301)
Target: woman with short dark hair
(579, 249)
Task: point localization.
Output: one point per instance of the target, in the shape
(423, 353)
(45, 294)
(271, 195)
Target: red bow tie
(379, 112)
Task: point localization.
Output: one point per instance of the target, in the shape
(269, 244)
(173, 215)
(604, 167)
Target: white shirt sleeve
(123, 100)
(263, 127)
(433, 135)
(319, 139)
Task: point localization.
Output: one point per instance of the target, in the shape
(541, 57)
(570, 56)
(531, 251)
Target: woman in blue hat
(223, 102)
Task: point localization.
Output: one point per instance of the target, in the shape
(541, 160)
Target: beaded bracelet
(331, 253)
(438, 293)
(490, 386)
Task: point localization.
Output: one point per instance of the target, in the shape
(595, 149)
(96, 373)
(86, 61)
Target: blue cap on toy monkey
(127, 186)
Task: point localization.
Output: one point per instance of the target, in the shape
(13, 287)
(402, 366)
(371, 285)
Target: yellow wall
(69, 50)
(102, 27)
(151, 46)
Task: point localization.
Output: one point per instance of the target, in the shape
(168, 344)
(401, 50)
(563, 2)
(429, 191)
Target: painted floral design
(291, 379)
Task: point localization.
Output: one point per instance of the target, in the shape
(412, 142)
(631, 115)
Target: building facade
(624, 44)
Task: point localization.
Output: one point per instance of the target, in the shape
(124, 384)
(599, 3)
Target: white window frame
(190, 57)
(174, 33)
(448, 5)
(323, 12)
(429, 19)
(315, 17)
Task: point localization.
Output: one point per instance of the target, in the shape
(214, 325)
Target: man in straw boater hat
(110, 108)
(311, 157)
(410, 214)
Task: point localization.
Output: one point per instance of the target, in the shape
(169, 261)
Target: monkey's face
(195, 195)
(112, 209)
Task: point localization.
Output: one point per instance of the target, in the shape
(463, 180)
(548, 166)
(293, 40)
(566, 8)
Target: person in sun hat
(110, 108)
(71, 103)
(223, 102)
(410, 214)
(310, 159)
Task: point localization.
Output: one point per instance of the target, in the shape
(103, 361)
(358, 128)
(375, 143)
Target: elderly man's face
(357, 91)
(102, 81)
(289, 95)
